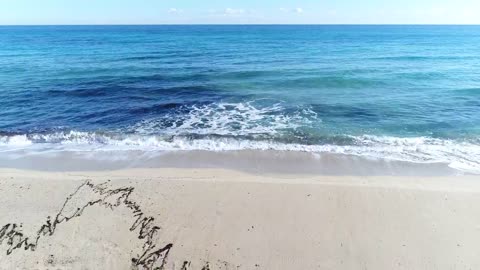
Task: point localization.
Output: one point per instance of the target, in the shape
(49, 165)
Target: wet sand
(226, 219)
(250, 161)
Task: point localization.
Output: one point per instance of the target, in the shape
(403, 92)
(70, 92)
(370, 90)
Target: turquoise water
(409, 93)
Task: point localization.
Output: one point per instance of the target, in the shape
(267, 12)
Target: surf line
(151, 258)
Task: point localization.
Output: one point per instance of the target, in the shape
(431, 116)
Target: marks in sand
(152, 257)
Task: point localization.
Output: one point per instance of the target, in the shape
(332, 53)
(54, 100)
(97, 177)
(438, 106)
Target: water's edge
(381, 154)
(251, 161)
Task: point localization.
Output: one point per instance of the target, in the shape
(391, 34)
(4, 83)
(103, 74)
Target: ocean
(394, 93)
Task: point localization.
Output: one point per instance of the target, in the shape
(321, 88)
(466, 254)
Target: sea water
(401, 93)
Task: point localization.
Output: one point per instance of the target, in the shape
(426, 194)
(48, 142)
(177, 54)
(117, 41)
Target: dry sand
(221, 219)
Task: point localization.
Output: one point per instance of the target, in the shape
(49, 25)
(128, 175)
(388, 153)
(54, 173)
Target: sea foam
(257, 117)
(464, 156)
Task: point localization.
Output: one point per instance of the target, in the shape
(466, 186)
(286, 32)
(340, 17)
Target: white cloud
(232, 11)
(175, 11)
(437, 11)
(332, 12)
(297, 10)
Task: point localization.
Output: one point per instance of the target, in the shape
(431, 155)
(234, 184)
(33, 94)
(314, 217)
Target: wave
(424, 57)
(262, 118)
(261, 124)
(463, 156)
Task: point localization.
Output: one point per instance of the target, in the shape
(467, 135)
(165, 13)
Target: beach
(177, 218)
(276, 147)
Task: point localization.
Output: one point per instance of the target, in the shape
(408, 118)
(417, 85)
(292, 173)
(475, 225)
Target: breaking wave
(260, 118)
(464, 156)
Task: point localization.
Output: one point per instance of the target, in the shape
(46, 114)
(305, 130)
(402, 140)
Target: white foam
(15, 141)
(464, 156)
(229, 119)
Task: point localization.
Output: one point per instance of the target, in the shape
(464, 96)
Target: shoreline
(249, 161)
(229, 219)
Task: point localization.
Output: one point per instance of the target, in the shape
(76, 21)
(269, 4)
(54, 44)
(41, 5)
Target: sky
(32, 12)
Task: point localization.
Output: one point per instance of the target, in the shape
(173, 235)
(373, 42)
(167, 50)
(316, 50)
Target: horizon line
(252, 24)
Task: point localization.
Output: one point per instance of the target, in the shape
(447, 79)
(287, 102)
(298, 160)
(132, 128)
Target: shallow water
(405, 93)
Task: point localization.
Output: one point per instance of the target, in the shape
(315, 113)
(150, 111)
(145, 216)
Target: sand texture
(222, 219)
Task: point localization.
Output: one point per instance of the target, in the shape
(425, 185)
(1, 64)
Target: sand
(225, 219)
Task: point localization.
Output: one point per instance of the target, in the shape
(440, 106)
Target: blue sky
(239, 12)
